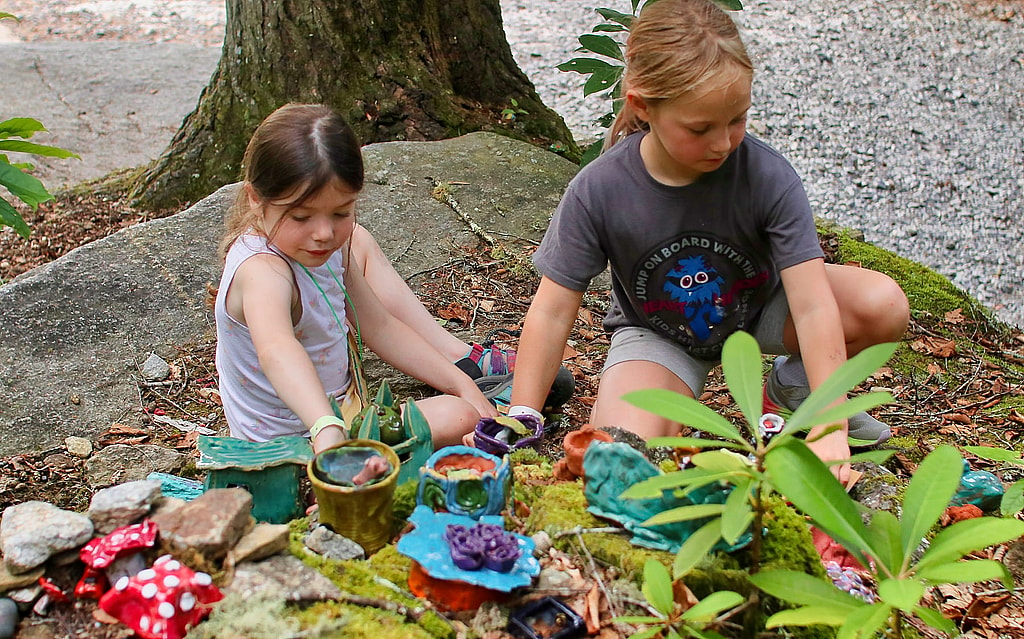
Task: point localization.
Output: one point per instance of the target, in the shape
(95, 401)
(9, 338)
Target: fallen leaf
(985, 605)
(936, 346)
(486, 305)
(454, 311)
(955, 316)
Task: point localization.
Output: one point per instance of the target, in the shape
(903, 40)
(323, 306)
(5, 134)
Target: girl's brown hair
(298, 146)
(675, 47)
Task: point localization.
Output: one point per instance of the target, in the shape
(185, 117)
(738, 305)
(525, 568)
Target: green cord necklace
(355, 318)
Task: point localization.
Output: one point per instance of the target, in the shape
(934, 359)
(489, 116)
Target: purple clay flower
(455, 530)
(503, 557)
(467, 561)
(467, 551)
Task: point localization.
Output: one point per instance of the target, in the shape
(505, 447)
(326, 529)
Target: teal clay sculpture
(611, 468)
(979, 487)
(269, 470)
(465, 481)
(405, 430)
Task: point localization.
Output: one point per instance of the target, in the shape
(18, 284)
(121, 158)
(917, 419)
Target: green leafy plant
(15, 176)
(509, 113)
(736, 458)
(604, 73)
(673, 621)
(1013, 499)
(888, 547)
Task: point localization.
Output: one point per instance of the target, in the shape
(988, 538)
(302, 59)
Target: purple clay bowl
(486, 436)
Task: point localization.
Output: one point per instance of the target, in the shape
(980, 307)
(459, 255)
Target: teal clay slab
(231, 452)
(611, 468)
(426, 546)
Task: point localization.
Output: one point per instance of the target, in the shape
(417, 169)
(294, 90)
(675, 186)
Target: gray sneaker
(864, 430)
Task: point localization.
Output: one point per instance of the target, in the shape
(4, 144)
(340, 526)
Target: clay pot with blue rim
(465, 481)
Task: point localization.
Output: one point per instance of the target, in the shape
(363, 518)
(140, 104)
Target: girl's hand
(834, 447)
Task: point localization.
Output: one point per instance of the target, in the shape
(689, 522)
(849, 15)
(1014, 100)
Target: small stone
(10, 581)
(155, 369)
(123, 504)
(33, 531)
(119, 463)
(8, 618)
(78, 446)
(332, 545)
(542, 542)
(261, 542)
(282, 576)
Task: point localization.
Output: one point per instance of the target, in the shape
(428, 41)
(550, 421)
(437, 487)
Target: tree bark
(396, 69)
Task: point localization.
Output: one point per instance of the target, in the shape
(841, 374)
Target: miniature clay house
(270, 471)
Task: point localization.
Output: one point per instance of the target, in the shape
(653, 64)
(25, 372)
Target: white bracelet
(525, 410)
(324, 422)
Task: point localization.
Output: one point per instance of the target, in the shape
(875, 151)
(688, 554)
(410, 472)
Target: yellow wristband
(324, 422)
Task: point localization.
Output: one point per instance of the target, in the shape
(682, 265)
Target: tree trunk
(396, 69)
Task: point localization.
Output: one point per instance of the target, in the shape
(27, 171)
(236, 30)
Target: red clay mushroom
(162, 602)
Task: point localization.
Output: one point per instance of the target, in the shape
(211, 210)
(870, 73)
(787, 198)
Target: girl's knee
(879, 312)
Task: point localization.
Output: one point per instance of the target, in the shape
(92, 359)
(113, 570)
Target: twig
(597, 576)
(410, 613)
(580, 530)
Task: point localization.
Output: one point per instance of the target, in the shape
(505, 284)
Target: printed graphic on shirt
(697, 290)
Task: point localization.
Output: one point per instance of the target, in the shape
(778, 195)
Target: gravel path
(904, 116)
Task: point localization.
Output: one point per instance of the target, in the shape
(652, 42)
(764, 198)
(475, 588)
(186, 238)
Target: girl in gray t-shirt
(707, 231)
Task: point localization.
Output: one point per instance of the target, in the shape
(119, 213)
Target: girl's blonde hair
(675, 47)
(296, 150)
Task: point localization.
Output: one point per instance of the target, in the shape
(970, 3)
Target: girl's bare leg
(625, 377)
(397, 297)
(450, 419)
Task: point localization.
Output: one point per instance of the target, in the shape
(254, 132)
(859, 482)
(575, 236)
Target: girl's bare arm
(397, 344)
(545, 332)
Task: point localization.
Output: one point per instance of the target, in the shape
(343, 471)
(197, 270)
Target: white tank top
(251, 405)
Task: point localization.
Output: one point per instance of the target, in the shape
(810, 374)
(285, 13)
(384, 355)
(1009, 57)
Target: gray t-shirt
(694, 263)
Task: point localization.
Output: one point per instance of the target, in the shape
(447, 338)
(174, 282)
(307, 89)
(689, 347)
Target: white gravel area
(904, 117)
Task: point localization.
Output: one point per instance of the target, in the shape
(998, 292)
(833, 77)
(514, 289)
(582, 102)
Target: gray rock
(282, 577)
(119, 463)
(34, 531)
(8, 618)
(78, 446)
(155, 369)
(331, 545)
(123, 504)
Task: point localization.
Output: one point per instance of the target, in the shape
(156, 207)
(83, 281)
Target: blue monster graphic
(696, 284)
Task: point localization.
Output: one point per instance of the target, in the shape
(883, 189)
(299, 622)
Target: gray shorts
(631, 343)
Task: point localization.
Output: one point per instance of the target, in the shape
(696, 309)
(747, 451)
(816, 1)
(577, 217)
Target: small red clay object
(52, 590)
(162, 602)
(373, 468)
(102, 551)
(92, 585)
